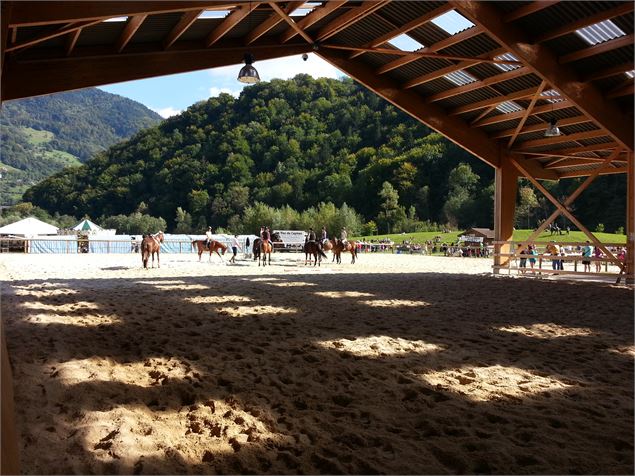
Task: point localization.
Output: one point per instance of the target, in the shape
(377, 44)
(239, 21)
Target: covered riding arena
(392, 365)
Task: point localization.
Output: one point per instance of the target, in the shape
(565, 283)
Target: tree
(183, 221)
(389, 205)
(527, 203)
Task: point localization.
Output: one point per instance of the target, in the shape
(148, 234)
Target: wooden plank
(548, 141)
(273, 20)
(527, 114)
(187, 19)
(233, 19)
(349, 18)
(71, 41)
(315, 16)
(53, 34)
(608, 72)
(597, 49)
(529, 9)
(625, 90)
(290, 21)
(128, 32)
(622, 9)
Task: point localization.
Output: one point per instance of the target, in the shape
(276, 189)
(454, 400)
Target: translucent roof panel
(301, 12)
(452, 22)
(115, 19)
(600, 32)
(508, 106)
(214, 14)
(631, 73)
(554, 96)
(506, 67)
(460, 78)
(405, 43)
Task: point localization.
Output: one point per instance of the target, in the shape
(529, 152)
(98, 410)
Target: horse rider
(311, 235)
(344, 237)
(324, 236)
(265, 235)
(208, 235)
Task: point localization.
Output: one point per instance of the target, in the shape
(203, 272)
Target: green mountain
(42, 135)
(292, 143)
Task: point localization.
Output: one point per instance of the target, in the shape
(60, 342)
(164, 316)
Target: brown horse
(214, 246)
(150, 245)
(261, 250)
(339, 247)
(313, 248)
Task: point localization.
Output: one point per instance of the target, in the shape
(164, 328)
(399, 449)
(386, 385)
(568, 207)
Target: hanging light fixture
(248, 73)
(552, 130)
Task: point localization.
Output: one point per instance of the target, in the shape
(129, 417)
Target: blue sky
(169, 95)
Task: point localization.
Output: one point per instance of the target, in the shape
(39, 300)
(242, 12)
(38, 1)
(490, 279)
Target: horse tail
(322, 254)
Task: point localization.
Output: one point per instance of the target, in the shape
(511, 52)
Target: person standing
(597, 253)
(235, 246)
(587, 250)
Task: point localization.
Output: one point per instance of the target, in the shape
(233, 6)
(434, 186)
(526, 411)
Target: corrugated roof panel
(475, 46)
(199, 29)
(527, 137)
(432, 87)
(418, 68)
(102, 34)
(625, 22)
(508, 7)
(600, 32)
(566, 44)
(517, 84)
(583, 127)
(402, 12)
(429, 34)
(155, 28)
(377, 59)
(452, 22)
(605, 60)
(362, 32)
(597, 140)
(467, 98)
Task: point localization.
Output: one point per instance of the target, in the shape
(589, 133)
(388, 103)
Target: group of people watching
(556, 252)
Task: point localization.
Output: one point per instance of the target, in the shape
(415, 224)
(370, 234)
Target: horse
(214, 246)
(313, 248)
(261, 250)
(338, 248)
(150, 245)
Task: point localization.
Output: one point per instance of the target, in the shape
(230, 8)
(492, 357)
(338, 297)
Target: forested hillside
(292, 143)
(42, 135)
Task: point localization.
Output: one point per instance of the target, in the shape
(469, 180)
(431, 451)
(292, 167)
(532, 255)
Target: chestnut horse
(350, 246)
(261, 250)
(214, 246)
(313, 248)
(150, 245)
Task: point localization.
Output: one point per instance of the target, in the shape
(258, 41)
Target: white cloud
(167, 112)
(214, 91)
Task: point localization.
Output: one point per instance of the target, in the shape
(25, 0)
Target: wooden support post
(630, 220)
(506, 183)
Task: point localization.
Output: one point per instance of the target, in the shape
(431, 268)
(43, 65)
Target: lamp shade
(248, 73)
(552, 130)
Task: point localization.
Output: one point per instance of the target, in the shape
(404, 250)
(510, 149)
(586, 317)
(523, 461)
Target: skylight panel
(452, 22)
(460, 78)
(508, 106)
(207, 14)
(506, 67)
(630, 74)
(554, 96)
(405, 43)
(301, 12)
(600, 32)
(115, 20)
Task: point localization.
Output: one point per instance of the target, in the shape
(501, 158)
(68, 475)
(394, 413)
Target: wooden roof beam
(494, 101)
(623, 9)
(586, 97)
(53, 34)
(569, 121)
(528, 9)
(499, 78)
(411, 25)
(425, 78)
(576, 150)
(315, 16)
(71, 41)
(230, 21)
(292, 23)
(527, 114)
(71, 11)
(609, 72)
(584, 173)
(349, 18)
(564, 163)
(600, 48)
(187, 19)
(623, 90)
(128, 32)
(546, 108)
(439, 45)
(273, 20)
(548, 141)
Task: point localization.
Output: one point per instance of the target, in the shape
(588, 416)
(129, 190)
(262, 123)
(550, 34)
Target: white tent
(28, 227)
(87, 225)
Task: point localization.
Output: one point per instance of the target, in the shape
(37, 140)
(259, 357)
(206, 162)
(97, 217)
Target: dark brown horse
(339, 248)
(214, 246)
(150, 245)
(313, 248)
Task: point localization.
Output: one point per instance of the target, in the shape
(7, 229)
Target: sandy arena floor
(397, 364)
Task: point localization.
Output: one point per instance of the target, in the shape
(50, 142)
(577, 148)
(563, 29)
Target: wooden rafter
(499, 78)
(528, 9)
(527, 114)
(523, 93)
(569, 121)
(576, 150)
(349, 18)
(291, 23)
(128, 32)
(573, 162)
(230, 21)
(439, 45)
(517, 115)
(315, 16)
(622, 9)
(71, 11)
(484, 113)
(622, 90)
(588, 99)
(585, 173)
(53, 34)
(608, 72)
(425, 78)
(187, 19)
(273, 20)
(71, 41)
(547, 141)
(411, 25)
(600, 48)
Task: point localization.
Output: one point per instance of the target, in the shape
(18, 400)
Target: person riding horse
(324, 236)
(208, 235)
(266, 235)
(344, 237)
(310, 235)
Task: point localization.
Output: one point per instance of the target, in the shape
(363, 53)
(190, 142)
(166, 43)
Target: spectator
(235, 247)
(597, 253)
(587, 250)
(523, 260)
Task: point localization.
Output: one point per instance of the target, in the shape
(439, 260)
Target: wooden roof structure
(491, 85)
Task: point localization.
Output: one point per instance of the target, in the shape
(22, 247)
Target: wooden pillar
(506, 183)
(630, 220)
